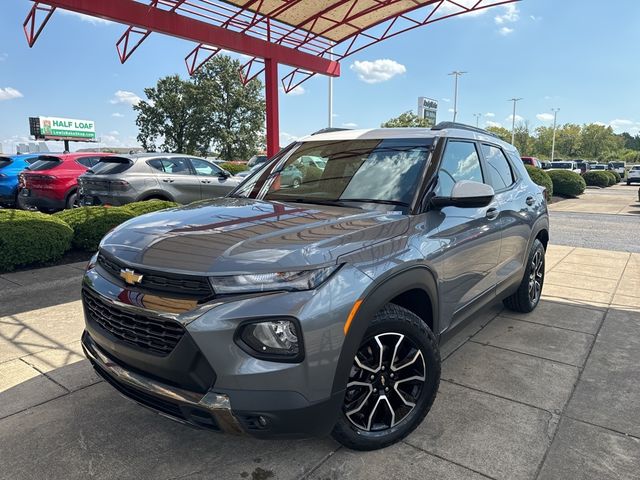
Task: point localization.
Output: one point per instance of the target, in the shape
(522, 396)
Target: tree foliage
(212, 111)
(406, 119)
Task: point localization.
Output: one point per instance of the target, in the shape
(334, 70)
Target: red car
(51, 182)
(533, 161)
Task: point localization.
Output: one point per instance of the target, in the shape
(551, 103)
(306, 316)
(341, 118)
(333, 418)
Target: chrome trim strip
(217, 404)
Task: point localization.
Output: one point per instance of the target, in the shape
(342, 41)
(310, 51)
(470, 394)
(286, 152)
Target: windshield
(376, 171)
(616, 164)
(561, 165)
(45, 163)
(110, 165)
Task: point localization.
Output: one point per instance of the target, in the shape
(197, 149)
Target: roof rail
(329, 130)
(462, 126)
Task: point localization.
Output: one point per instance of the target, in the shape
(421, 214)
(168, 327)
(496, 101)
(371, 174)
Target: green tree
(542, 141)
(598, 142)
(501, 132)
(523, 140)
(406, 119)
(568, 141)
(210, 111)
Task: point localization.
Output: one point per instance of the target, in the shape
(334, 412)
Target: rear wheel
(72, 200)
(526, 298)
(392, 383)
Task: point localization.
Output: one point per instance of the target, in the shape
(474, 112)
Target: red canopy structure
(311, 36)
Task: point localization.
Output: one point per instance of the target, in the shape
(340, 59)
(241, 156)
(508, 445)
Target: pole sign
(56, 128)
(428, 110)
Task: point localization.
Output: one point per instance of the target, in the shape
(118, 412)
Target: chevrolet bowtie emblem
(130, 277)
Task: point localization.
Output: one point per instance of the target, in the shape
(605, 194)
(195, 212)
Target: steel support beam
(170, 23)
(271, 94)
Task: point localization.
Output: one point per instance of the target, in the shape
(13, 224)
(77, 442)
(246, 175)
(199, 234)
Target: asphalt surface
(600, 231)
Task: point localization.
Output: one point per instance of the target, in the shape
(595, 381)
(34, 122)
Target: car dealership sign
(56, 128)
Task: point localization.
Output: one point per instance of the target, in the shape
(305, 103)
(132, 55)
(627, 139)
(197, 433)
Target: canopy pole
(271, 94)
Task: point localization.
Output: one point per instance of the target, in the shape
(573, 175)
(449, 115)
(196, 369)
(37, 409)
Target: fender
(155, 193)
(375, 297)
(542, 223)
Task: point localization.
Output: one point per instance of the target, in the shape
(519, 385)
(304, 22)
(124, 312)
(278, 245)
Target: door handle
(492, 213)
(530, 201)
(167, 180)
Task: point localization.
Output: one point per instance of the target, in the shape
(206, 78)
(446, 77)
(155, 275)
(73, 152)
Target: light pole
(456, 74)
(477, 115)
(513, 117)
(553, 142)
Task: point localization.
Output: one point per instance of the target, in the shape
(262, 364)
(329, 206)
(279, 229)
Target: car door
(470, 236)
(179, 180)
(213, 180)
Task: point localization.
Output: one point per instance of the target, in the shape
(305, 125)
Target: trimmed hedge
(540, 177)
(611, 176)
(28, 238)
(567, 183)
(234, 168)
(617, 175)
(148, 206)
(90, 224)
(596, 178)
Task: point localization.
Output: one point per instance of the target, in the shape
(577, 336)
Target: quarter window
(459, 162)
(500, 173)
(88, 161)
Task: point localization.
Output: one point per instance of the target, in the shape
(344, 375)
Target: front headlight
(266, 282)
(277, 340)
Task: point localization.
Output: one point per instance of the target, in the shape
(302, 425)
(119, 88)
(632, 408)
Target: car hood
(239, 235)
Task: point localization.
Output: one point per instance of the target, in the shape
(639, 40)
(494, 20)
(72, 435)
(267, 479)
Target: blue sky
(575, 55)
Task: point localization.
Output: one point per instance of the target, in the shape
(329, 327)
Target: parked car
(51, 181)
(533, 161)
(583, 165)
(257, 160)
(633, 175)
(123, 179)
(286, 310)
(10, 168)
(599, 166)
(617, 167)
(565, 165)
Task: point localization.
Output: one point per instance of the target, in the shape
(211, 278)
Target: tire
(72, 200)
(398, 328)
(628, 182)
(527, 297)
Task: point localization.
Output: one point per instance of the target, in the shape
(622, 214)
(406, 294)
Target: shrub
(613, 177)
(90, 224)
(540, 177)
(28, 238)
(617, 175)
(148, 206)
(596, 178)
(234, 168)
(567, 183)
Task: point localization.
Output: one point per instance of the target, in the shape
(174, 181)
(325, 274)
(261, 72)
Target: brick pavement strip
(550, 395)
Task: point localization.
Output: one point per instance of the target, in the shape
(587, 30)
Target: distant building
(428, 109)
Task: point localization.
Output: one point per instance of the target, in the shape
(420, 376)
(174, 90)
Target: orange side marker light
(352, 313)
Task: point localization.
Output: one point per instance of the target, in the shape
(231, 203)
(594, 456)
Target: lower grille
(150, 334)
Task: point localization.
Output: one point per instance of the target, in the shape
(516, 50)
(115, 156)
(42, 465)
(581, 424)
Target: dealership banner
(67, 128)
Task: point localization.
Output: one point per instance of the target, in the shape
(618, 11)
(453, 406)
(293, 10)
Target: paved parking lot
(550, 395)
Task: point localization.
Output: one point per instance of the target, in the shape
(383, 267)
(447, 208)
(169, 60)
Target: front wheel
(392, 383)
(526, 298)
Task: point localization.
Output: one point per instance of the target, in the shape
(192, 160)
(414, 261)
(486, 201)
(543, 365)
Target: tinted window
(45, 163)
(111, 165)
(4, 161)
(176, 166)
(88, 161)
(204, 168)
(500, 174)
(156, 164)
(459, 162)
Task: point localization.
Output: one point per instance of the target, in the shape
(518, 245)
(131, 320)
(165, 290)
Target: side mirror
(224, 174)
(466, 194)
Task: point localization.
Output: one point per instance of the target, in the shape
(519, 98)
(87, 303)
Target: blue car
(10, 167)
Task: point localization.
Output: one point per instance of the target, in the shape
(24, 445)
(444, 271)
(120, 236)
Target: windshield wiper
(375, 200)
(312, 201)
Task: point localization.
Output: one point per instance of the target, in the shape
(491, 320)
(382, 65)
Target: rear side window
(4, 161)
(500, 173)
(459, 162)
(111, 165)
(45, 163)
(176, 166)
(88, 161)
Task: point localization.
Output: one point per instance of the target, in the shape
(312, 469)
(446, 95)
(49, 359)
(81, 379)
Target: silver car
(118, 180)
(295, 310)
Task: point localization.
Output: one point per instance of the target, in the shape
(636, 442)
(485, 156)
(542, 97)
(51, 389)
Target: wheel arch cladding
(414, 289)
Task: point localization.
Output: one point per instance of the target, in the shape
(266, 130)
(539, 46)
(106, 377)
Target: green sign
(67, 128)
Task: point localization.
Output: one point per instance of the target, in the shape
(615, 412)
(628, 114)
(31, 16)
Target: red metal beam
(31, 31)
(271, 94)
(170, 23)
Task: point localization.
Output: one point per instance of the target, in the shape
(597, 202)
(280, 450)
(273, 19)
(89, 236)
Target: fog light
(262, 421)
(275, 338)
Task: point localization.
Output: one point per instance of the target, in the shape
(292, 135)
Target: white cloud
(490, 115)
(602, 124)
(377, 71)
(123, 96)
(287, 138)
(334, 115)
(544, 117)
(620, 125)
(115, 133)
(86, 18)
(299, 90)
(446, 100)
(451, 110)
(534, 18)
(511, 14)
(504, 31)
(117, 115)
(510, 118)
(9, 93)
(349, 125)
(491, 123)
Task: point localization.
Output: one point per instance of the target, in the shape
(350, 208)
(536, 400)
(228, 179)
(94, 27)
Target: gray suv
(118, 180)
(295, 310)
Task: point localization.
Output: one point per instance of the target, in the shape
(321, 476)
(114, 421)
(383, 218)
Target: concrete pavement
(621, 199)
(554, 394)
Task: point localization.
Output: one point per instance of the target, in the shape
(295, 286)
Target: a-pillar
(271, 94)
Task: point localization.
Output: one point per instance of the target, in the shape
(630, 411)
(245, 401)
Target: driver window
(459, 162)
(202, 167)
